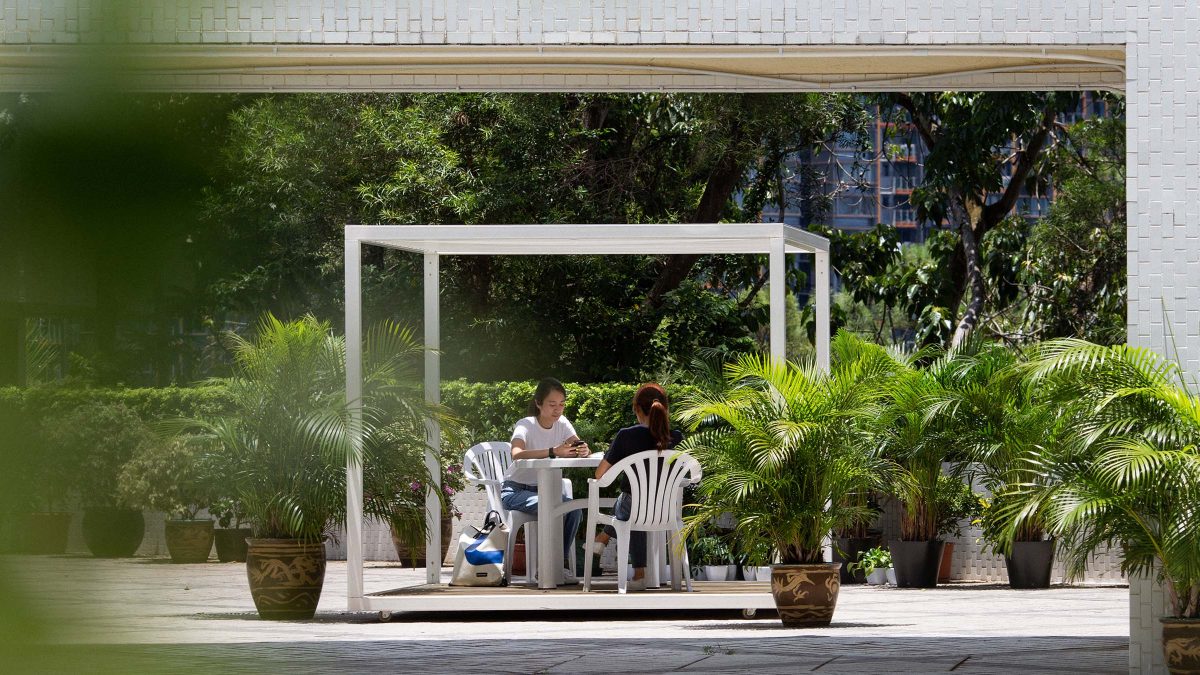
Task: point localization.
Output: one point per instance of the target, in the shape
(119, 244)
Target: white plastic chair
(656, 482)
(485, 464)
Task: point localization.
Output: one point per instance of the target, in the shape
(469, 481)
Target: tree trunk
(717, 191)
(968, 214)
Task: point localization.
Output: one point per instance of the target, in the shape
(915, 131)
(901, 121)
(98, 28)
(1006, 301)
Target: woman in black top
(652, 432)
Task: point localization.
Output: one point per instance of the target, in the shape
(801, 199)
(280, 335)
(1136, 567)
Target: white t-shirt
(537, 438)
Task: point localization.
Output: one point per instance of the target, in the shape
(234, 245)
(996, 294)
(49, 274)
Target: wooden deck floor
(606, 585)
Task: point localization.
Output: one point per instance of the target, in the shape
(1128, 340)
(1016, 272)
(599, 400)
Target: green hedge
(150, 404)
(488, 410)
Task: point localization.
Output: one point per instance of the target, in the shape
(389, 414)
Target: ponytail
(651, 400)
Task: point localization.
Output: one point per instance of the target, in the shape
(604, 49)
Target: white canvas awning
(432, 241)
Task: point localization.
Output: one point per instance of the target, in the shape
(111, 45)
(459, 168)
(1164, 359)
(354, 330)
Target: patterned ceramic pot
(286, 576)
(805, 595)
(189, 541)
(231, 544)
(1181, 645)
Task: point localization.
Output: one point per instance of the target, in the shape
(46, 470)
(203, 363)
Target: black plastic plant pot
(1030, 564)
(852, 546)
(113, 533)
(917, 562)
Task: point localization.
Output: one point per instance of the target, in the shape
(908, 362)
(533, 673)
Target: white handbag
(480, 557)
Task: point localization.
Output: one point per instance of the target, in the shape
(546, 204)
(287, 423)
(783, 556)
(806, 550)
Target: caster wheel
(749, 613)
(385, 616)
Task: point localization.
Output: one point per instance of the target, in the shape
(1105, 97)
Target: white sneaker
(568, 578)
(636, 584)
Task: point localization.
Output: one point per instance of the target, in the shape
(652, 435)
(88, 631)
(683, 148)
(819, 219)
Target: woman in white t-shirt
(545, 433)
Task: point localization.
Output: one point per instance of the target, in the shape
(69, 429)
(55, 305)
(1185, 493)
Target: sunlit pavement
(142, 615)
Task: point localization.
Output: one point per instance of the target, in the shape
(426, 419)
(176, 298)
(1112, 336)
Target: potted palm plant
(171, 476)
(290, 423)
(919, 444)
(998, 421)
(1127, 476)
(782, 446)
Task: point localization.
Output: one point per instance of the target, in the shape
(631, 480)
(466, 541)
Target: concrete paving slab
(147, 616)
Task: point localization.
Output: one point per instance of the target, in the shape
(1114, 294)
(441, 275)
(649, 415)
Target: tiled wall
(494, 22)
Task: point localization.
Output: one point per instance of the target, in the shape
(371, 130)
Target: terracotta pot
(947, 563)
(113, 532)
(1030, 564)
(1181, 645)
(47, 534)
(286, 576)
(518, 560)
(805, 595)
(916, 562)
(189, 541)
(231, 544)
(415, 556)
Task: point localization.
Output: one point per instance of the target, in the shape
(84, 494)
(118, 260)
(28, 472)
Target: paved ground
(148, 616)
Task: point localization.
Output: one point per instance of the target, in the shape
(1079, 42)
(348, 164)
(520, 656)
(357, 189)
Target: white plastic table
(551, 509)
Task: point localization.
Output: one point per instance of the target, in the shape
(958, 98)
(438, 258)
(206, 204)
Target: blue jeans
(637, 539)
(519, 497)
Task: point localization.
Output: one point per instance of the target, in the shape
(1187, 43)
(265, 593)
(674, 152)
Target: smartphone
(576, 444)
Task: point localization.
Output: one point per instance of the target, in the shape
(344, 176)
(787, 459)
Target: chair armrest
(483, 482)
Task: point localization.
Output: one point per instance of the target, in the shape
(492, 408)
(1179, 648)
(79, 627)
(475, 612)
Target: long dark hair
(651, 400)
(544, 388)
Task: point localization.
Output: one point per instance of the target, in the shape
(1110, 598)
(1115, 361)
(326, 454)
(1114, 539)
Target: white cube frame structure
(433, 241)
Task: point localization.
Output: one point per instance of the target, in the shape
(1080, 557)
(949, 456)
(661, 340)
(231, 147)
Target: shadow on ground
(504, 654)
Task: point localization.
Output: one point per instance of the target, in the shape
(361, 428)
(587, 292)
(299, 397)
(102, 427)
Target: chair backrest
(485, 464)
(656, 482)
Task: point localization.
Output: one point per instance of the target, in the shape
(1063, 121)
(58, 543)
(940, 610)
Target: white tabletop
(591, 460)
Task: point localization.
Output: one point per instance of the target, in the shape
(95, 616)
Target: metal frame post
(778, 298)
(821, 305)
(354, 469)
(433, 394)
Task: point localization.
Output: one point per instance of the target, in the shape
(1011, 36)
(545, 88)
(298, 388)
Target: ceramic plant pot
(415, 556)
(716, 572)
(805, 595)
(1181, 645)
(231, 543)
(947, 565)
(286, 577)
(113, 532)
(189, 541)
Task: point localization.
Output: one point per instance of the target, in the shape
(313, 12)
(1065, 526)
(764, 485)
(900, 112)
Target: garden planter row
(922, 564)
(118, 533)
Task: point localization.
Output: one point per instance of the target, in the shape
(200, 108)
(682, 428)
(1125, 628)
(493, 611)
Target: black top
(631, 441)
